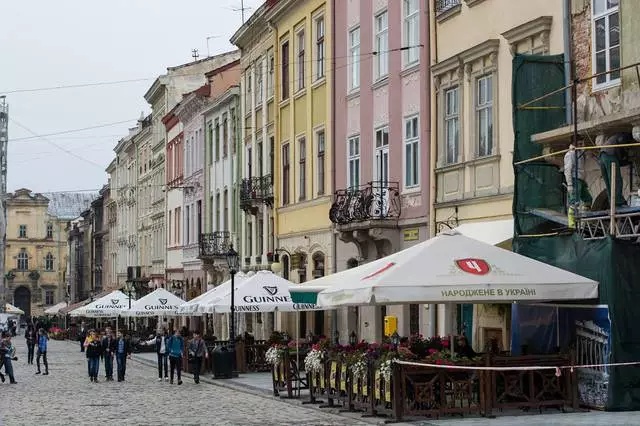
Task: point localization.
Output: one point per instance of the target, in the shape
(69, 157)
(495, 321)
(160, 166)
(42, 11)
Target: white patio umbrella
(109, 306)
(55, 308)
(198, 305)
(452, 268)
(160, 302)
(10, 309)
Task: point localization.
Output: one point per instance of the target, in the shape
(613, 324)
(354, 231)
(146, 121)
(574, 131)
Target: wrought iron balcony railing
(214, 244)
(255, 191)
(444, 5)
(373, 201)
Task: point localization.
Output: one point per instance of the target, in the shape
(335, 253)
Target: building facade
(36, 247)
(303, 148)
(381, 107)
(143, 141)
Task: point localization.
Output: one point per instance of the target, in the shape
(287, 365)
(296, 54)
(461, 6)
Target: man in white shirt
(161, 350)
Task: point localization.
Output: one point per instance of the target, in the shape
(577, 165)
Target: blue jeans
(8, 369)
(94, 366)
(121, 360)
(108, 365)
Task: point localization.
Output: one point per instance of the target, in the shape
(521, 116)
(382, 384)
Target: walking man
(7, 352)
(30, 336)
(82, 335)
(162, 343)
(108, 351)
(197, 351)
(176, 349)
(123, 351)
(43, 339)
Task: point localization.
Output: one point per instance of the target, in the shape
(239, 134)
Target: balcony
(214, 245)
(373, 201)
(256, 191)
(444, 6)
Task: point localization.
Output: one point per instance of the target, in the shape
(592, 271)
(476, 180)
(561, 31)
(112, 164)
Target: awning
(158, 303)
(55, 308)
(494, 232)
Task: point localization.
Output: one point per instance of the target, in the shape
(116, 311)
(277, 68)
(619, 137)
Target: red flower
(439, 361)
(432, 351)
(315, 347)
(445, 343)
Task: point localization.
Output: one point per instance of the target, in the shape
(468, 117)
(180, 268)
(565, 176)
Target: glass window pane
(614, 59)
(489, 89)
(408, 164)
(489, 130)
(599, 6)
(601, 41)
(601, 66)
(612, 3)
(614, 29)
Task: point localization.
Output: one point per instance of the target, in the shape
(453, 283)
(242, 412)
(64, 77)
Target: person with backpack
(43, 340)
(176, 349)
(197, 351)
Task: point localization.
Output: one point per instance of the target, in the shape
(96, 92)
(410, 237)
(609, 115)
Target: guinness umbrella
(158, 303)
(109, 306)
(199, 304)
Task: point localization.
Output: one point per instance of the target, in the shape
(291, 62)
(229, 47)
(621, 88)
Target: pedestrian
(82, 335)
(123, 351)
(176, 349)
(8, 354)
(31, 336)
(108, 352)
(162, 343)
(43, 341)
(197, 351)
(93, 348)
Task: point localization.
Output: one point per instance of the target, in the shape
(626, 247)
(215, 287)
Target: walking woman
(43, 339)
(8, 354)
(93, 347)
(176, 349)
(31, 337)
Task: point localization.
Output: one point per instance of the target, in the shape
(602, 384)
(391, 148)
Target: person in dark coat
(197, 351)
(464, 349)
(31, 337)
(108, 352)
(123, 351)
(82, 335)
(93, 346)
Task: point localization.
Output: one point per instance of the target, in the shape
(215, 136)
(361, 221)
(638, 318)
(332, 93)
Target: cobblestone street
(67, 397)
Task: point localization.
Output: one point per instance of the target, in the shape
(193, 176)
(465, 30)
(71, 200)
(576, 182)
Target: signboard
(412, 234)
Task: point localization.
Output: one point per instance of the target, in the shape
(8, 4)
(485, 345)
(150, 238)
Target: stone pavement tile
(67, 397)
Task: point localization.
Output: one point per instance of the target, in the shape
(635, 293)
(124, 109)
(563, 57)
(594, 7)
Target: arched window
(48, 262)
(318, 265)
(23, 260)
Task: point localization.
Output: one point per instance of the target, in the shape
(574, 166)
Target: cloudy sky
(46, 43)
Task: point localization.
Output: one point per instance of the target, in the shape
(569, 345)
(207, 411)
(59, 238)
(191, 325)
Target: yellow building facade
(36, 253)
(472, 138)
(303, 144)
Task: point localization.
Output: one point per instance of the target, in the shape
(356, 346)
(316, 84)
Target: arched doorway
(22, 300)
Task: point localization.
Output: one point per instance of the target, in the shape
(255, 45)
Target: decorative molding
(471, 3)
(540, 26)
(481, 50)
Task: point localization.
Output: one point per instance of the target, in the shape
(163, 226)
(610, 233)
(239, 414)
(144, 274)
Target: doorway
(22, 300)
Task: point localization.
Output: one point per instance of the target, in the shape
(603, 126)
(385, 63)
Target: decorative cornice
(537, 26)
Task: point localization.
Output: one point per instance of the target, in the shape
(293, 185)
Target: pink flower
(432, 351)
(439, 361)
(445, 343)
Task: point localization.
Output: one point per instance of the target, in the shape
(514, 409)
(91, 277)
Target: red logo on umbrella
(474, 266)
(379, 271)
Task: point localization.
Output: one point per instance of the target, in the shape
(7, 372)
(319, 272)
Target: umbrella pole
(298, 349)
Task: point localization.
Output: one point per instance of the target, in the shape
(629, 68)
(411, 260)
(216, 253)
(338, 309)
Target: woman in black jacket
(93, 346)
(30, 336)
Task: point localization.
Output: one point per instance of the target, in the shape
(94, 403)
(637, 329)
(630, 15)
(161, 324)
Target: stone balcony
(256, 191)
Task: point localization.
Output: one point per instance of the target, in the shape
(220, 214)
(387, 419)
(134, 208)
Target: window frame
(270, 73)
(381, 60)
(446, 117)
(606, 15)
(353, 159)
(407, 56)
(321, 146)
(49, 297)
(259, 81)
(302, 168)
(49, 262)
(486, 106)
(320, 29)
(301, 41)
(49, 231)
(286, 174)
(412, 143)
(216, 135)
(22, 260)
(354, 59)
(284, 71)
(22, 231)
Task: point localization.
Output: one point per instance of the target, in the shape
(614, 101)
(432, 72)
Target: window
(451, 125)
(260, 237)
(259, 81)
(232, 136)
(484, 115)
(169, 222)
(48, 262)
(285, 174)
(249, 162)
(217, 140)
(271, 157)
(285, 70)
(353, 162)
(225, 218)
(187, 226)
(48, 297)
(250, 238)
(300, 37)
(412, 152)
(249, 89)
(178, 222)
(198, 220)
(319, 47)
(23, 260)
(259, 159)
(270, 71)
(606, 40)
(218, 211)
(354, 58)
(382, 45)
(382, 137)
(302, 146)
(224, 136)
(411, 31)
(49, 230)
(321, 166)
(22, 231)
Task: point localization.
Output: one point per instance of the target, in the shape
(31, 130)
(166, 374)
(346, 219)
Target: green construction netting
(304, 297)
(538, 185)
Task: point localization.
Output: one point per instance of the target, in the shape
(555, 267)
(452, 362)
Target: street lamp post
(129, 287)
(233, 264)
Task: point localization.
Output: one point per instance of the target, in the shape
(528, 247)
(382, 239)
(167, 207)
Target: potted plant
(10, 275)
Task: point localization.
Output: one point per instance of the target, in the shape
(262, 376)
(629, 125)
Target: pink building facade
(381, 124)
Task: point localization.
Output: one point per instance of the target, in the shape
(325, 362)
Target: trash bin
(222, 362)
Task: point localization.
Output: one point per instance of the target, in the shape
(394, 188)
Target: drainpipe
(432, 59)
(334, 241)
(568, 57)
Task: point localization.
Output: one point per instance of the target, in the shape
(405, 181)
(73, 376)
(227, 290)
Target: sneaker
(2, 377)
(37, 372)
(166, 379)
(179, 382)
(160, 379)
(46, 373)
